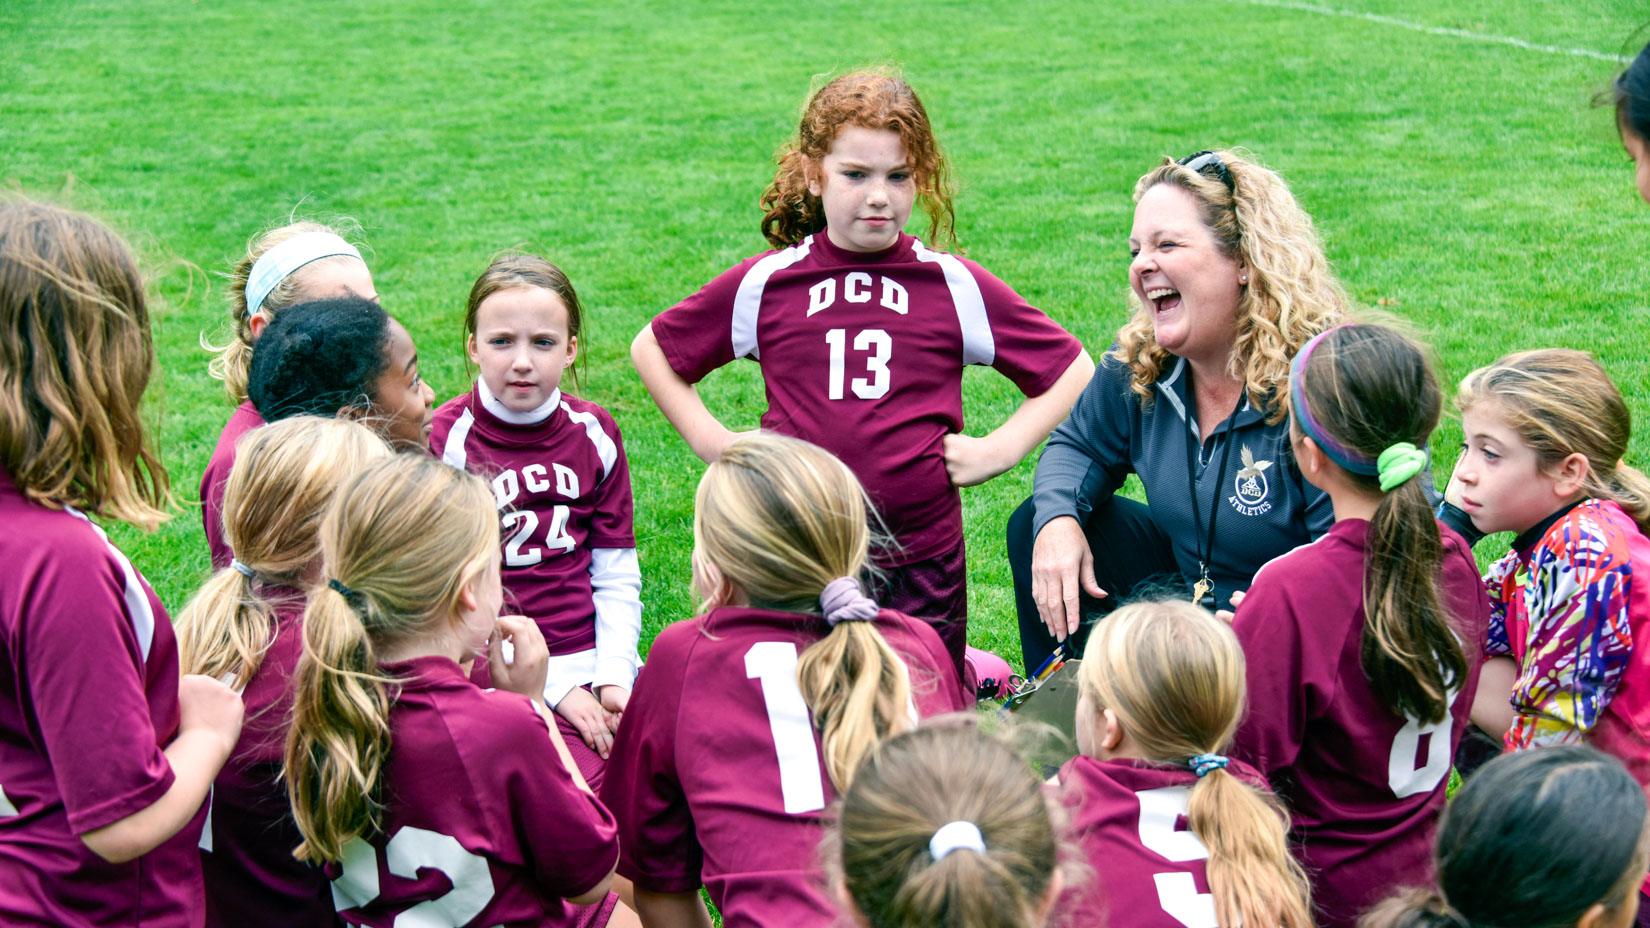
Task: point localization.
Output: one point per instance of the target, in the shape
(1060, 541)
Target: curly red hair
(874, 100)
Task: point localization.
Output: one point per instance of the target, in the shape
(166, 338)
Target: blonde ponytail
(779, 519)
(907, 790)
(284, 477)
(399, 545)
(1174, 676)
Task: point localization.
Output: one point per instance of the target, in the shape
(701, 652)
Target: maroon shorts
(594, 916)
(935, 590)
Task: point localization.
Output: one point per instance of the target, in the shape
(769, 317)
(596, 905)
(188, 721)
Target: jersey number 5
(872, 340)
(410, 853)
(1177, 892)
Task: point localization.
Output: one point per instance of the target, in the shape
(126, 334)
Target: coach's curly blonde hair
(76, 353)
(234, 356)
(776, 520)
(1292, 293)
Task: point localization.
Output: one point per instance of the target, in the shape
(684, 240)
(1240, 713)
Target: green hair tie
(1399, 464)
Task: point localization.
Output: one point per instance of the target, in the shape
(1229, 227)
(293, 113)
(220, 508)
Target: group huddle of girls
(343, 727)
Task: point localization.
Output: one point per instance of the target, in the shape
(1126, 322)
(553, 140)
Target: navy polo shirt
(1266, 507)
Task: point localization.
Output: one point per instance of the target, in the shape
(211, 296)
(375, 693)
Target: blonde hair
(405, 537)
(75, 355)
(1292, 294)
(285, 475)
(778, 519)
(234, 356)
(924, 779)
(1561, 402)
(1174, 676)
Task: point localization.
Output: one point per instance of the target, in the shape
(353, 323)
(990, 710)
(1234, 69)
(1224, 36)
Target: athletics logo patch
(1251, 486)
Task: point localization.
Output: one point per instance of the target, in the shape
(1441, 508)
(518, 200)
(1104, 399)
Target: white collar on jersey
(496, 406)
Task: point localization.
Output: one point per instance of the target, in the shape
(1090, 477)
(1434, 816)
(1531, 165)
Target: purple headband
(1339, 453)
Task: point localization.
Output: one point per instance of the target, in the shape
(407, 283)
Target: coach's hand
(1062, 566)
(529, 662)
(589, 718)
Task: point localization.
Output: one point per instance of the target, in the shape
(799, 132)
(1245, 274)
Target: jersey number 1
(873, 340)
(774, 663)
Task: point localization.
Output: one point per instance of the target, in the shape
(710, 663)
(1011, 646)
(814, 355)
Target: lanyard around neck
(1204, 587)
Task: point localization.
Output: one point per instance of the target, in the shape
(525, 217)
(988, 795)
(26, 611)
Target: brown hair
(234, 356)
(778, 519)
(1371, 387)
(873, 100)
(405, 537)
(909, 788)
(285, 475)
(1292, 294)
(1561, 402)
(75, 355)
(513, 271)
(1174, 676)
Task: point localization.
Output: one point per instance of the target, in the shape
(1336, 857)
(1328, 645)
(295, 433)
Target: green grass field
(1464, 183)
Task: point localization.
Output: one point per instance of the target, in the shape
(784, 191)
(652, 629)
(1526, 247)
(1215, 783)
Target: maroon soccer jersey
(482, 823)
(1129, 819)
(562, 488)
(716, 774)
(1365, 785)
(90, 684)
(216, 476)
(863, 355)
(252, 879)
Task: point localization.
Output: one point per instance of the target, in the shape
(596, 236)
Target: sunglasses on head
(1208, 163)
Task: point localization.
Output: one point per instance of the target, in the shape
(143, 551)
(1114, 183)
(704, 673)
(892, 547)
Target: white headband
(953, 836)
(276, 264)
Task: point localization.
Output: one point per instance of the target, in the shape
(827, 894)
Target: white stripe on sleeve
(137, 604)
(747, 302)
(979, 346)
(453, 452)
(605, 447)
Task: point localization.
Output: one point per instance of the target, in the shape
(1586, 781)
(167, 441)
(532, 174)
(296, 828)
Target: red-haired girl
(863, 332)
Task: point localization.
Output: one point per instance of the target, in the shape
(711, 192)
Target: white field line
(1436, 30)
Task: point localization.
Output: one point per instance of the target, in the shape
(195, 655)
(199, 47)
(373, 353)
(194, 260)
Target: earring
(1244, 279)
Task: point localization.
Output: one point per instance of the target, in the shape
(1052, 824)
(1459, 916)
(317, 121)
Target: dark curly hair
(318, 357)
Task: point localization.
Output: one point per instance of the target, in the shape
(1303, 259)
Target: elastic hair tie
(242, 569)
(338, 585)
(843, 601)
(278, 263)
(1205, 764)
(1399, 464)
(954, 836)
